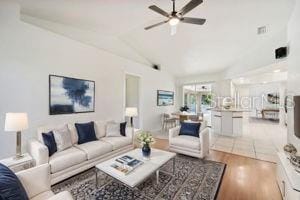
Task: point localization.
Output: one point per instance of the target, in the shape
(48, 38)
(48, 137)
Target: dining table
(182, 116)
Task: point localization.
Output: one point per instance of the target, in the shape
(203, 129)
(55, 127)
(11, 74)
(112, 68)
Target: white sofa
(189, 145)
(36, 182)
(81, 157)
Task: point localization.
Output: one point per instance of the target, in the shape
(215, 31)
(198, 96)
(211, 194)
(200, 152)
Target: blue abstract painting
(70, 95)
(165, 98)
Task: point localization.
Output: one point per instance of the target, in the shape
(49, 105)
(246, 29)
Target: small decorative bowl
(289, 149)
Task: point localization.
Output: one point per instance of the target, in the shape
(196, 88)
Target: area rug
(194, 179)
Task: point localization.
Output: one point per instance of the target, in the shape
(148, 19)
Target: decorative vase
(146, 151)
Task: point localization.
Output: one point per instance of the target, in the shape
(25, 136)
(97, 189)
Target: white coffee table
(140, 174)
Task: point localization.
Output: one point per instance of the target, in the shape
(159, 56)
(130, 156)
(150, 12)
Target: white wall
(28, 54)
(294, 67)
(221, 89)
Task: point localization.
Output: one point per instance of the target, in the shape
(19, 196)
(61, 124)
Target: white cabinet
(288, 179)
(227, 127)
(237, 125)
(216, 122)
(227, 122)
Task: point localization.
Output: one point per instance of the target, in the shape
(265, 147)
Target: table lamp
(16, 122)
(131, 112)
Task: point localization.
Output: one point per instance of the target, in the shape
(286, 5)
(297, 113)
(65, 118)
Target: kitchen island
(227, 122)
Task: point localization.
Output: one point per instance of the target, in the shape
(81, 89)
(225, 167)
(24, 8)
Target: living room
(48, 48)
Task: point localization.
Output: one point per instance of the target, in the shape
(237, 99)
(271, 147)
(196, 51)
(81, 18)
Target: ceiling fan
(177, 16)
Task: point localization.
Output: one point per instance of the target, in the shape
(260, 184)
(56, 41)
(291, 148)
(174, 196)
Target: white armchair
(36, 182)
(189, 145)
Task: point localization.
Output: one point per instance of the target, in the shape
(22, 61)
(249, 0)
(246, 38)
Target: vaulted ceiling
(117, 26)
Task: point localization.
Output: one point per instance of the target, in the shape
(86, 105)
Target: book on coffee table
(126, 164)
(142, 172)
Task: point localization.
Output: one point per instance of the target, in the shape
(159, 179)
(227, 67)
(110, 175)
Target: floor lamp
(16, 122)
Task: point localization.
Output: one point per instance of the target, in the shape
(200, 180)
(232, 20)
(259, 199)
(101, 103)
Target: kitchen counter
(228, 122)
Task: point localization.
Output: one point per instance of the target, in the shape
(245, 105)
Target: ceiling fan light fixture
(177, 16)
(174, 21)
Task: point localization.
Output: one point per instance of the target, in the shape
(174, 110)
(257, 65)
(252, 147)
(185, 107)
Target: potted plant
(146, 139)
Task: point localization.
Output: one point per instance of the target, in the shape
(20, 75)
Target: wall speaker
(281, 52)
(156, 67)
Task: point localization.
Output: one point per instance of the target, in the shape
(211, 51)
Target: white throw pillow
(100, 128)
(62, 138)
(113, 129)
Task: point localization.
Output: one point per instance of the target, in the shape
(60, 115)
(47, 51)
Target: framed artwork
(165, 98)
(70, 95)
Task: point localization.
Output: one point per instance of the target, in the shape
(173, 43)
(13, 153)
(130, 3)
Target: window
(197, 97)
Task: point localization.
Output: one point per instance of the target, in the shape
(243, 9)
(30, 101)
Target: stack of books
(126, 164)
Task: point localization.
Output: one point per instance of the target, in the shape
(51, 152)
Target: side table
(23, 163)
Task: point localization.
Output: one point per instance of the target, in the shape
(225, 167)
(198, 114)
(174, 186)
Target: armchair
(36, 182)
(189, 145)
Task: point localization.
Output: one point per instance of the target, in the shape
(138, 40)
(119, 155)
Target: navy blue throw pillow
(49, 141)
(190, 129)
(86, 132)
(123, 128)
(10, 186)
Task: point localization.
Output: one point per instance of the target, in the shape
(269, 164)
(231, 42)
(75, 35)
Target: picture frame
(165, 98)
(69, 95)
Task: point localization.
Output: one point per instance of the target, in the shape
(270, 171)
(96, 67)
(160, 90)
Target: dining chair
(168, 121)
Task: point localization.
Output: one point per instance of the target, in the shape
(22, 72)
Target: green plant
(145, 138)
(206, 99)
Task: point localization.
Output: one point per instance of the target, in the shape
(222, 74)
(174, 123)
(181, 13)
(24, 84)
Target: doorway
(132, 94)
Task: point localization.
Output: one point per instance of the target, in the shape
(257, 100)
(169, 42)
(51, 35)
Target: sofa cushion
(65, 195)
(86, 132)
(65, 159)
(113, 129)
(190, 129)
(100, 128)
(95, 149)
(123, 128)
(49, 141)
(118, 142)
(186, 142)
(10, 186)
(47, 129)
(73, 132)
(49, 195)
(63, 138)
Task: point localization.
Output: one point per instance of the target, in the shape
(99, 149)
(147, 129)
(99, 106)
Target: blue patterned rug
(194, 179)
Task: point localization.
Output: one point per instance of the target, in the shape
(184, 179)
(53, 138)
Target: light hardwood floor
(244, 178)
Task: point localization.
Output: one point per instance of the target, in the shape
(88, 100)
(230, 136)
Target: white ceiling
(269, 74)
(230, 30)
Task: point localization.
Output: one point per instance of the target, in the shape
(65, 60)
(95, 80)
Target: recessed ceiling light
(276, 71)
(265, 82)
(261, 30)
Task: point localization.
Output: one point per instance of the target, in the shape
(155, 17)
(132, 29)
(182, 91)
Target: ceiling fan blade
(190, 6)
(190, 20)
(155, 25)
(159, 11)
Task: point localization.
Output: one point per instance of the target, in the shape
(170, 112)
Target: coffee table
(141, 173)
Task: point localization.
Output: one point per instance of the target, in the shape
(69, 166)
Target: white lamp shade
(131, 112)
(16, 121)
